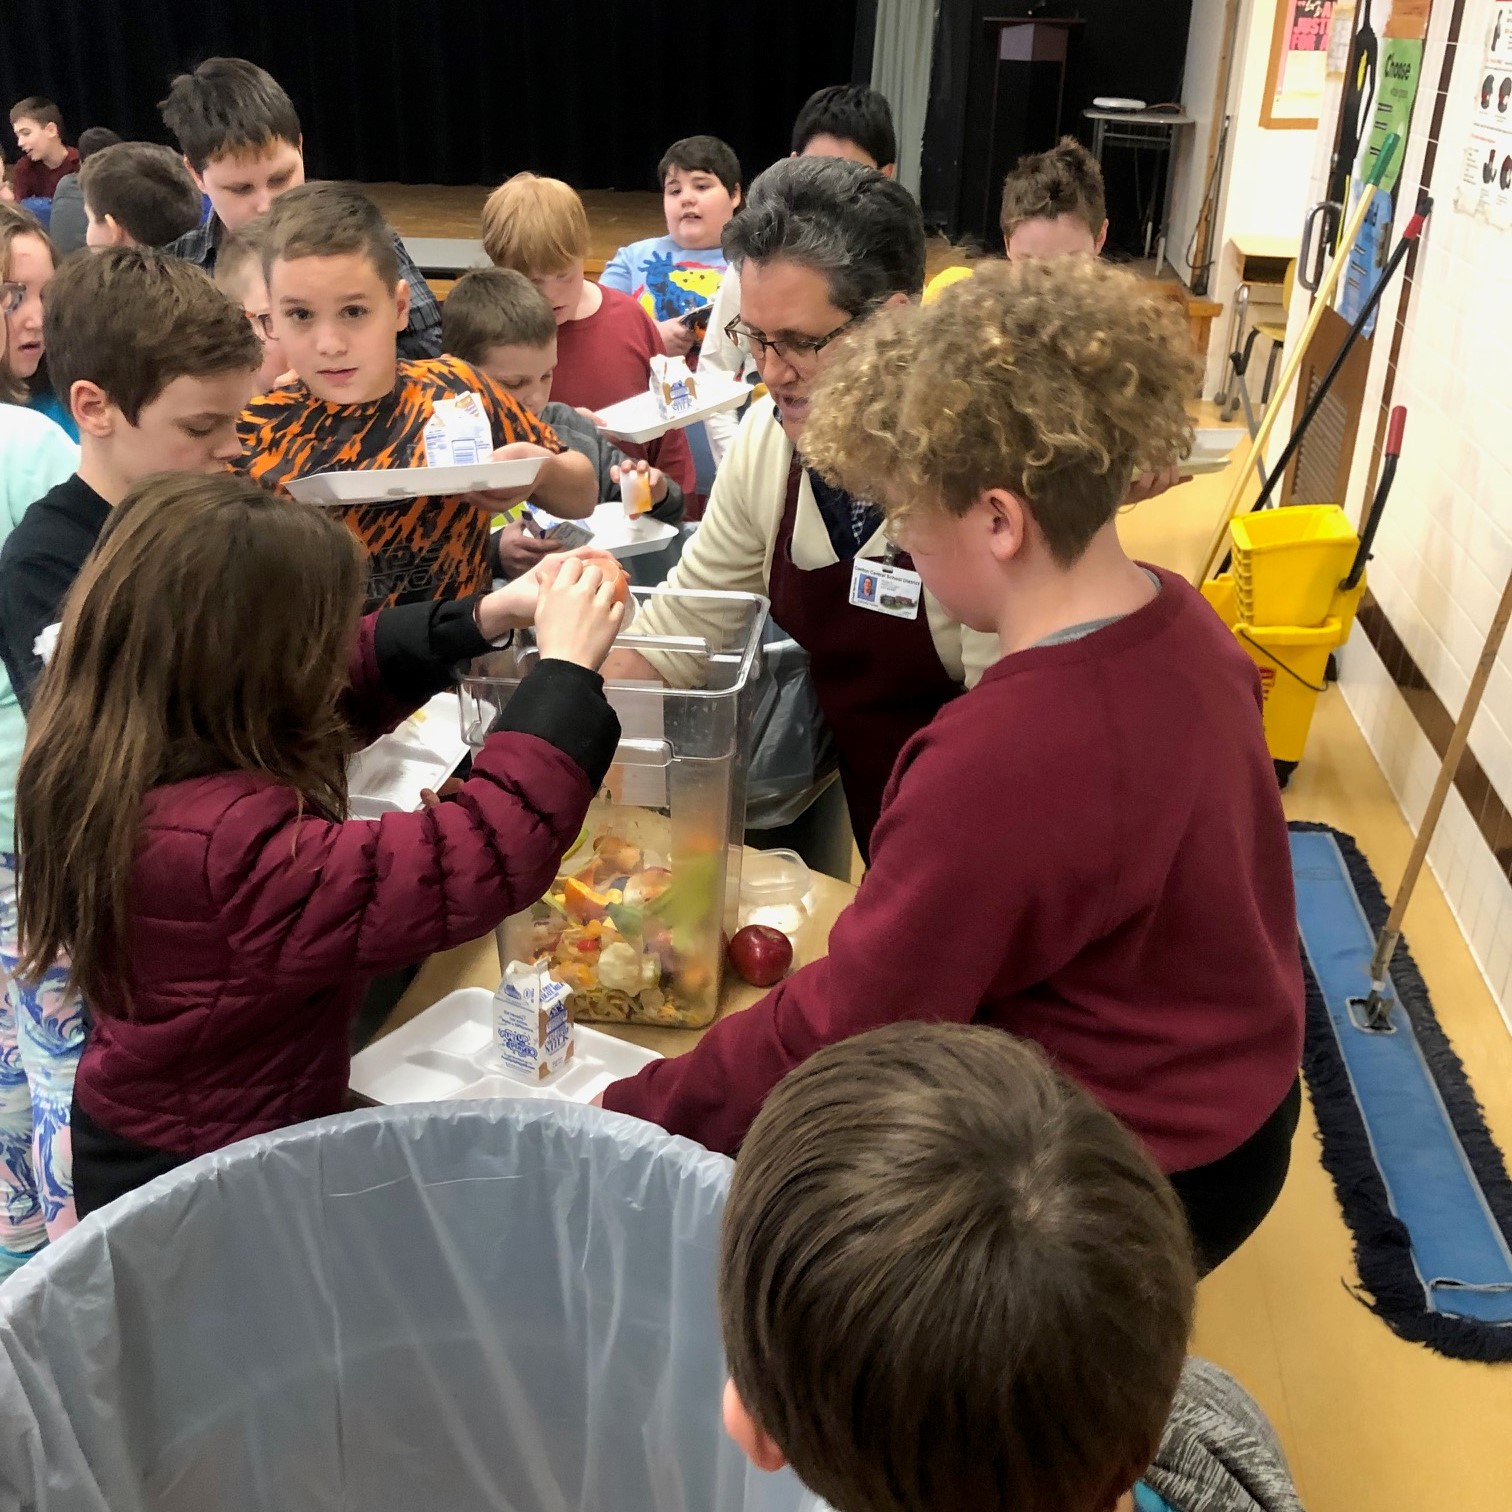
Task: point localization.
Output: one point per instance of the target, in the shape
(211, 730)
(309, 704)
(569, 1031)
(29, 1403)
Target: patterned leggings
(41, 1037)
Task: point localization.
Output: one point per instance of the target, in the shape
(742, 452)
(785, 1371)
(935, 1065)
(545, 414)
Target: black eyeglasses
(796, 351)
(11, 295)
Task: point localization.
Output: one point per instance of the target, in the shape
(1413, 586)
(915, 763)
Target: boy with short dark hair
(605, 340)
(45, 157)
(671, 275)
(241, 138)
(848, 121)
(154, 364)
(137, 194)
(949, 1280)
(336, 300)
(1034, 867)
(69, 225)
(497, 320)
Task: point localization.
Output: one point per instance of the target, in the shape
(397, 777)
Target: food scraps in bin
(633, 939)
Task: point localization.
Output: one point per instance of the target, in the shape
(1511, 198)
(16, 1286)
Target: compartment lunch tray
(448, 1052)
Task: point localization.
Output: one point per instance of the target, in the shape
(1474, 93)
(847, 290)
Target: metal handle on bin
(643, 753)
(687, 645)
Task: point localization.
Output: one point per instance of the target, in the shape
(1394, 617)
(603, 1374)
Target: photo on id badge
(886, 588)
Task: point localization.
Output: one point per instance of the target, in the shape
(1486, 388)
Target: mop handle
(1394, 430)
(1386, 946)
(1410, 235)
(1295, 358)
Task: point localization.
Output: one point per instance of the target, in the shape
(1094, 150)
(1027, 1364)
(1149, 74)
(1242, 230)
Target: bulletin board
(1298, 65)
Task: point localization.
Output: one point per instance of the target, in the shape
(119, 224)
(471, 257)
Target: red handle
(1394, 431)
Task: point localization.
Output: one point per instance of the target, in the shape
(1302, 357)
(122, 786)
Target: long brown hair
(209, 632)
(16, 220)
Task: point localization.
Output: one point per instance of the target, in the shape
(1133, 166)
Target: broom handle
(1321, 302)
(1288, 376)
(1387, 944)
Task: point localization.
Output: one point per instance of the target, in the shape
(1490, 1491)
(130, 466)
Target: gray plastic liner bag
(439, 1308)
(793, 756)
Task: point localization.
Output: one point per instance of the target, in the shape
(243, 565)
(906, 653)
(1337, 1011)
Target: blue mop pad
(1423, 1187)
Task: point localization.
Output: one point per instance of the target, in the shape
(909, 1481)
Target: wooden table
(477, 965)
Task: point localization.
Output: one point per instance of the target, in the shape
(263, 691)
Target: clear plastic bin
(635, 923)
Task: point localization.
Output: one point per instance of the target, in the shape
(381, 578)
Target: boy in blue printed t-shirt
(674, 274)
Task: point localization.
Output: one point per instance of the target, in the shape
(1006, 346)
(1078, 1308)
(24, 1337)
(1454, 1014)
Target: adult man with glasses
(821, 244)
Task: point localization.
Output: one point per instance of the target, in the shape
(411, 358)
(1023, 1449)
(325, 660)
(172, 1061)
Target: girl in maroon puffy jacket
(182, 807)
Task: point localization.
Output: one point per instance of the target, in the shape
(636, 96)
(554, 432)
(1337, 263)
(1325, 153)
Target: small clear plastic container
(774, 890)
(635, 922)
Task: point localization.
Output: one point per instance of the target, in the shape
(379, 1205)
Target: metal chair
(1274, 331)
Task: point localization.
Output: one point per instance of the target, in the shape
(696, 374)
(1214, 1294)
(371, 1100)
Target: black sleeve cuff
(419, 645)
(564, 703)
(671, 509)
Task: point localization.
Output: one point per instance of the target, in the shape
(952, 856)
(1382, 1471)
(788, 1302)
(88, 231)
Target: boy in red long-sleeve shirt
(605, 340)
(1088, 849)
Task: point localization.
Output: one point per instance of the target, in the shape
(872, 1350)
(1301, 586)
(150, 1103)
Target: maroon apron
(878, 678)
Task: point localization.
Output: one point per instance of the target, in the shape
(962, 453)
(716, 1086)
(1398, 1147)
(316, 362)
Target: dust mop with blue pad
(1421, 1182)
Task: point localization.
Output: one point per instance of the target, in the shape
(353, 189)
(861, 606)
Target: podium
(1016, 105)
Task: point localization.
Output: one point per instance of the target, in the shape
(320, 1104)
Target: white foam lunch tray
(387, 776)
(448, 1052)
(379, 485)
(1213, 448)
(615, 532)
(638, 418)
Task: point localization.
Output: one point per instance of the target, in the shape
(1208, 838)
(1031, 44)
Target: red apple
(760, 954)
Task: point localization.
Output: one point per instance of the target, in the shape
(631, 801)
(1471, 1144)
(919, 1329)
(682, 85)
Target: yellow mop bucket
(1288, 563)
(1292, 660)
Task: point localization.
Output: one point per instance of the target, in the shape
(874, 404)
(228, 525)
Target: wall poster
(1485, 187)
(1298, 65)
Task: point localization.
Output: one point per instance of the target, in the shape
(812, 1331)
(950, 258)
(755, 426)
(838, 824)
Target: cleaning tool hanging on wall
(1411, 233)
(1295, 358)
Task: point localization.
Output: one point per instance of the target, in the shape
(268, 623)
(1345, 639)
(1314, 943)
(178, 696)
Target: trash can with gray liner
(483, 1307)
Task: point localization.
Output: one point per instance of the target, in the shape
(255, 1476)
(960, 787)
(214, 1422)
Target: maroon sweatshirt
(1087, 850)
(33, 180)
(606, 358)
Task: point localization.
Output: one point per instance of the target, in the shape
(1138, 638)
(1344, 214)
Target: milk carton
(673, 386)
(533, 1022)
(458, 432)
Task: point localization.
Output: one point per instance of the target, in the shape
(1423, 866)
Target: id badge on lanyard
(885, 588)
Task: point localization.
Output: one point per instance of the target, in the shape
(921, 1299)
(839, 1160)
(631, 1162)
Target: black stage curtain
(460, 92)
(1124, 47)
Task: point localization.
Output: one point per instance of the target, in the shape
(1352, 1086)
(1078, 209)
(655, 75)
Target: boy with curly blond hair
(1087, 849)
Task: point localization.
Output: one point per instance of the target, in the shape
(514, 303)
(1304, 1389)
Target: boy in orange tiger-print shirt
(336, 304)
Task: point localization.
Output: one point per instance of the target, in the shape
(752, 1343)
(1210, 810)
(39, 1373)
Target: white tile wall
(1445, 547)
